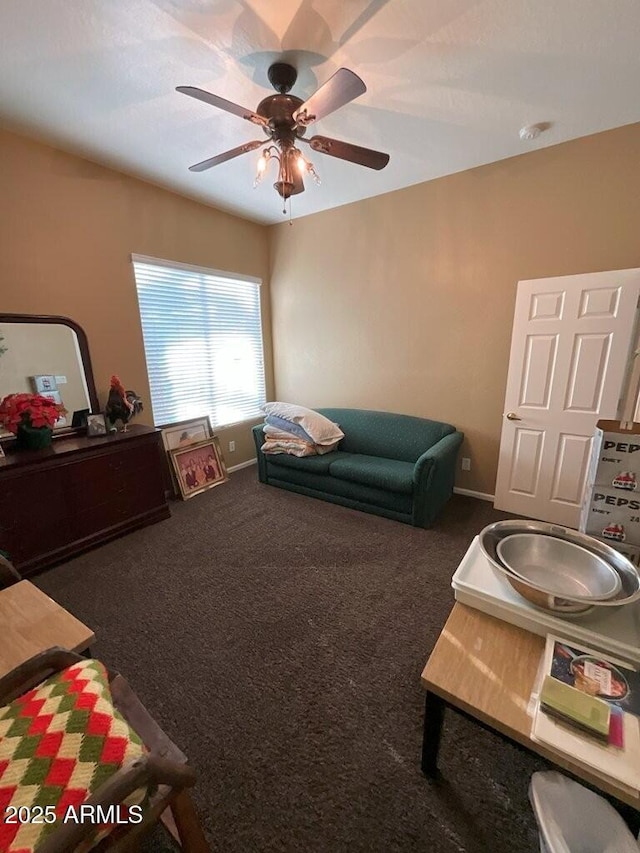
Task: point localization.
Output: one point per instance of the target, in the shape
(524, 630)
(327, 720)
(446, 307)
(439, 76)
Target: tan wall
(68, 230)
(404, 302)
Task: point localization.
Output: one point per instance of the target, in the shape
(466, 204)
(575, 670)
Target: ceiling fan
(285, 118)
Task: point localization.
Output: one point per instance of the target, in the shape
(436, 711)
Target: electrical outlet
(466, 463)
(232, 446)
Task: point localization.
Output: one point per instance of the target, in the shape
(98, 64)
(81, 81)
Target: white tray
(611, 629)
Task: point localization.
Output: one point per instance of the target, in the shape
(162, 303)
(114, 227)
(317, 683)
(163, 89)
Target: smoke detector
(531, 131)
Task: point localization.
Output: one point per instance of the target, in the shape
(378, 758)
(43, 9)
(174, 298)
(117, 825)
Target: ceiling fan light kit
(284, 118)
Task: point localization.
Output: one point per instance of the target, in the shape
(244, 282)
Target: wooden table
(31, 622)
(485, 668)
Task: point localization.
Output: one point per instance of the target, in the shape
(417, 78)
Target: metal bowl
(629, 591)
(559, 567)
(545, 601)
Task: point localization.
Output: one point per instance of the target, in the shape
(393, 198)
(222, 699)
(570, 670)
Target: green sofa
(398, 466)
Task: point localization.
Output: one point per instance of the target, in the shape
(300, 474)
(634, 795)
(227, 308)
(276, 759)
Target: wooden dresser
(79, 493)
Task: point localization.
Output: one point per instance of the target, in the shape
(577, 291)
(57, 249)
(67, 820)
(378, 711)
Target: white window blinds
(203, 341)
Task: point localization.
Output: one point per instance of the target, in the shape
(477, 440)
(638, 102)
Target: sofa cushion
(390, 474)
(315, 464)
(326, 486)
(385, 434)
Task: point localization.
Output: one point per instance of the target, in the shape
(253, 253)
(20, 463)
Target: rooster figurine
(121, 405)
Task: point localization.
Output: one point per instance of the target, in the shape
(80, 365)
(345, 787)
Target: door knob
(511, 416)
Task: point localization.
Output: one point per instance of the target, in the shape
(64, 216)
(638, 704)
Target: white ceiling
(450, 82)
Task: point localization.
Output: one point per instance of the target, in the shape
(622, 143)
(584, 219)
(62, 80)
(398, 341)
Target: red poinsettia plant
(29, 410)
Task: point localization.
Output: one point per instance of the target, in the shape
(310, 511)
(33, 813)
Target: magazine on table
(605, 678)
(596, 674)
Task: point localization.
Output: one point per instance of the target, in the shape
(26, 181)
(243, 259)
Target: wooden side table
(485, 669)
(31, 622)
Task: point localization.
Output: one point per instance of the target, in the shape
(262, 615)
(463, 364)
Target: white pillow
(321, 429)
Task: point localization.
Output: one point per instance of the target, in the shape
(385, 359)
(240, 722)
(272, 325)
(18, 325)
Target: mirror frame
(83, 346)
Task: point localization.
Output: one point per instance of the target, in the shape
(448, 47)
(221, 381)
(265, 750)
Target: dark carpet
(279, 640)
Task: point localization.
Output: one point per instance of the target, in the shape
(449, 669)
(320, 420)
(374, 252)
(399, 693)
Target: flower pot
(33, 438)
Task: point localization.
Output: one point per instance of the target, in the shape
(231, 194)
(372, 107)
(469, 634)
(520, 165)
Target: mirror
(49, 356)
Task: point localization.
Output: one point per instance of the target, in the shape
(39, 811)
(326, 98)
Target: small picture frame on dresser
(1, 451)
(79, 418)
(96, 426)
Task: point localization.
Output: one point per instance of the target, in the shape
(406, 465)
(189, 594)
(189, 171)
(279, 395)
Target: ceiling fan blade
(347, 151)
(228, 155)
(221, 103)
(343, 87)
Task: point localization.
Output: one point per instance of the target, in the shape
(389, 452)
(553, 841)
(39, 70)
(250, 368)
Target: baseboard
(482, 496)
(241, 465)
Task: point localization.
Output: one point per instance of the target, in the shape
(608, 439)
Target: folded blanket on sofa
(292, 446)
(276, 433)
(284, 443)
(319, 429)
(287, 428)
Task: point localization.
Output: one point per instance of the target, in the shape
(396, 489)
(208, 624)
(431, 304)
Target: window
(203, 341)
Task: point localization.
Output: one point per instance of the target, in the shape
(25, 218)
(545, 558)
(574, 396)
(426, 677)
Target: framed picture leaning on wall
(183, 434)
(198, 467)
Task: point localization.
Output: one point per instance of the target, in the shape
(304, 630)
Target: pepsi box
(615, 457)
(612, 515)
(631, 552)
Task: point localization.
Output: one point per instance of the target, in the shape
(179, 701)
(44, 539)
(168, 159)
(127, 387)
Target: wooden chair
(164, 767)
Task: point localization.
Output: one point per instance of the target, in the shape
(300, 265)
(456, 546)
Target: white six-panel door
(570, 347)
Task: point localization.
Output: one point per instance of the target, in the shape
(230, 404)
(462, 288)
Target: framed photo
(43, 383)
(186, 432)
(182, 434)
(96, 426)
(198, 467)
(79, 418)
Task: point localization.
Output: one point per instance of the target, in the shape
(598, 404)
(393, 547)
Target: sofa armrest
(433, 477)
(436, 456)
(258, 438)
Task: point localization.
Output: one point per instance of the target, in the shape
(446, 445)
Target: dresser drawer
(41, 533)
(91, 520)
(37, 490)
(37, 499)
(131, 481)
(90, 481)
